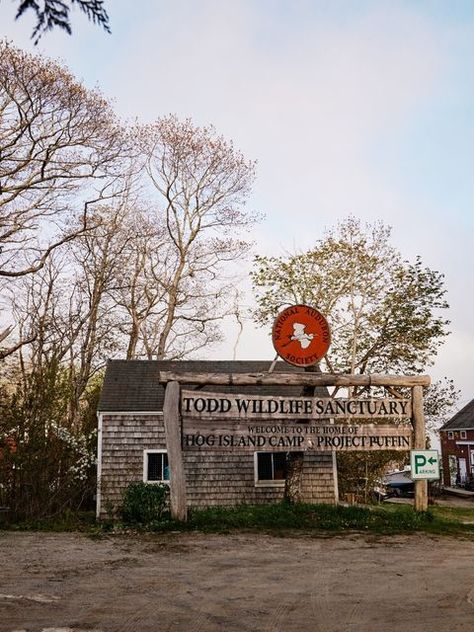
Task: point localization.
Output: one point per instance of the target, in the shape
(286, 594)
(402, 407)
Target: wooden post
(421, 486)
(172, 423)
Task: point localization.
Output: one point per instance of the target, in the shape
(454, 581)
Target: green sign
(424, 464)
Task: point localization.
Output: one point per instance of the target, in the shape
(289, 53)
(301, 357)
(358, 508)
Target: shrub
(47, 455)
(144, 502)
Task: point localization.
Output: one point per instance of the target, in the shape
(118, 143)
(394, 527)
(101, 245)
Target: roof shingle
(133, 386)
(462, 420)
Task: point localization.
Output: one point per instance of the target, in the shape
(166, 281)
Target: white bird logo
(301, 336)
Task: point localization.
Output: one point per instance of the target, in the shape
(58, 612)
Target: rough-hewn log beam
(292, 379)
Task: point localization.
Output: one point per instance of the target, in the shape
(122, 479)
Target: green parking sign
(424, 464)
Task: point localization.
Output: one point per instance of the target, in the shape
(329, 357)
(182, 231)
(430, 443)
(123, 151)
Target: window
(450, 434)
(270, 468)
(155, 466)
(463, 434)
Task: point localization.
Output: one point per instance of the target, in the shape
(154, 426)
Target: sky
(350, 107)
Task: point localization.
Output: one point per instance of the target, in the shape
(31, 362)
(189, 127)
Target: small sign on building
(424, 464)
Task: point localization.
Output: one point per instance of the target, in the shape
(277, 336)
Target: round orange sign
(301, 335)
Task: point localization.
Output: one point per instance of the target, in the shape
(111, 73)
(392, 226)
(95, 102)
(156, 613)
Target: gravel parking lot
(196, 582)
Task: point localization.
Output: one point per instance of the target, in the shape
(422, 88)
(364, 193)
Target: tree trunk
(294, 463)
(133, 340)
(294, 473)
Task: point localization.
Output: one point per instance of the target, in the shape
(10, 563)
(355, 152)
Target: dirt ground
(195, 582)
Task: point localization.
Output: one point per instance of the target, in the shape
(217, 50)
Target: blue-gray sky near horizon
(363, 108)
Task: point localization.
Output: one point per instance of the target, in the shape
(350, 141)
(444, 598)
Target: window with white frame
(155, 466)
(450, 434)
(270, 468)
(463, 434)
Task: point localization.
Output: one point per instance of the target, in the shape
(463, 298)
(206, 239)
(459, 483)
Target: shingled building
(132, 445)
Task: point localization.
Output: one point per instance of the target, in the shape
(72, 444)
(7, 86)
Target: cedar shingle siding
(131, 421)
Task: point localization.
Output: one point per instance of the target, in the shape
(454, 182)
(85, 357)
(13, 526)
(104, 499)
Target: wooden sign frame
(171, 413)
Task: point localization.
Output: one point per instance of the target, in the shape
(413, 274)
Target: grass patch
(461, 514)
(323, 518)
(282, 518)
(82, 521)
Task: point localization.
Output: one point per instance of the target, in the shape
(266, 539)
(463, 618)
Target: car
(469, 485)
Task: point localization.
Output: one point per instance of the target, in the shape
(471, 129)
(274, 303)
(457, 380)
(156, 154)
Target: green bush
(144, 502)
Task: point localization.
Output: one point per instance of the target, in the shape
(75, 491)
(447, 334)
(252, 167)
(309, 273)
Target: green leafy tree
(385, 313)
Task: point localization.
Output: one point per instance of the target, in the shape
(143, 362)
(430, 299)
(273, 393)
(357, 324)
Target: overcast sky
(361, 107)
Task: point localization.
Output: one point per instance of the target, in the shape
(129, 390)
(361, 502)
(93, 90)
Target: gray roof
(132, 385)
(462, 420)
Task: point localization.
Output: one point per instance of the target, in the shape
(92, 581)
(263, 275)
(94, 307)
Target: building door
(462, 470)
(472, 464)
(453, 469)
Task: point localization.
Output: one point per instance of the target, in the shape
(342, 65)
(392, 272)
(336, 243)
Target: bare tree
(61, 151)
(202, 183)
(65, 309)
(137, 291)
(91, 325)
(12, 348)
(36, 305)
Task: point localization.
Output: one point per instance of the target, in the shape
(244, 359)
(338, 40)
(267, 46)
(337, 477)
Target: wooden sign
(291, 437)
(202, 405)
(198, 432)
(301, 335)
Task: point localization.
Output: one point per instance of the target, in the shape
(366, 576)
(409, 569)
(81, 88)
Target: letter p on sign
(424, 464)
(420, 460)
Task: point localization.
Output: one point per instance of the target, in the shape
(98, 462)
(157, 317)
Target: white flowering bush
(80, 448)
(47, 455)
